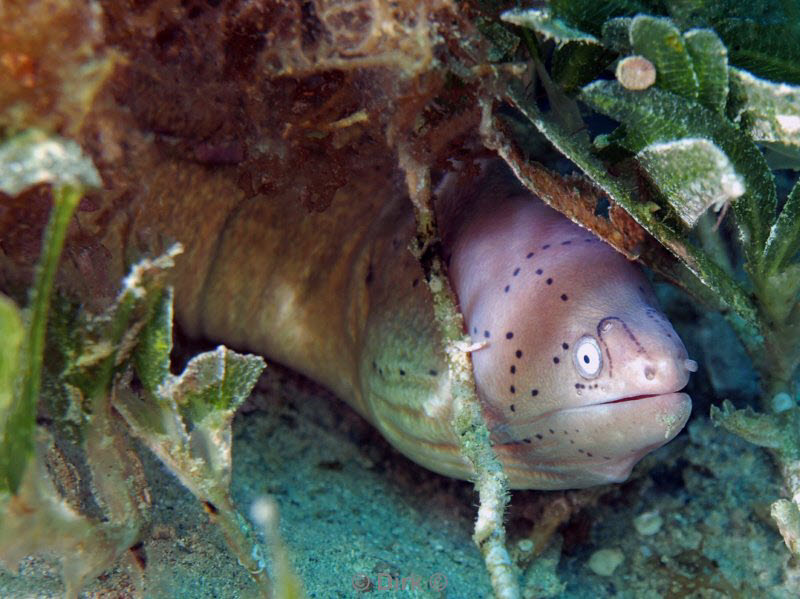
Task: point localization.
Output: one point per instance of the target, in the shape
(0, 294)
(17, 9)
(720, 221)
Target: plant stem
(239, 537)
(468, 423)
(18, 441)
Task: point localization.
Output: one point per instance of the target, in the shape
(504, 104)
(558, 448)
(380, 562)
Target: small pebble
(781, 402)
(648, 523)
(604, 561)
(525, 545)
(636, 73)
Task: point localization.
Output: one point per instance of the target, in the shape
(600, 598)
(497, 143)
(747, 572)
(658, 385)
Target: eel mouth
(637, 397)
(644, 397)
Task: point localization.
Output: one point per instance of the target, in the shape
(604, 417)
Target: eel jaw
(613, 437)
(637, 397)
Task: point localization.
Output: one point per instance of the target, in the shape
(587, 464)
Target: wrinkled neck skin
(581, 372)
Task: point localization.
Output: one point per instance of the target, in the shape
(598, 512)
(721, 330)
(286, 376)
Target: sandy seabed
(357, 515)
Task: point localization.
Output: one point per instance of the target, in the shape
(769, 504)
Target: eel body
(579, 374)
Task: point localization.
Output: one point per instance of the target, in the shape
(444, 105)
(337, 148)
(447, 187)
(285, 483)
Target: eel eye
(588, 357)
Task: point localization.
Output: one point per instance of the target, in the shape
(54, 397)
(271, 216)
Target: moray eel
(579, 375)
(582, 372)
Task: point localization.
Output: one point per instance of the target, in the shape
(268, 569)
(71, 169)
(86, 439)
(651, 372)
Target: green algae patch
(85, 382)
(708, 132)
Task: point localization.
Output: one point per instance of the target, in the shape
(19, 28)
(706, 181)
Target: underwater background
(670, 129)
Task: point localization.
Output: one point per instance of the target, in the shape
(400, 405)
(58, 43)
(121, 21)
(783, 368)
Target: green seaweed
(694, 174)
(542, 21)
(13, 334)
(27, 159)
(661, 43)
(761, 37)
(186, 421)
(724, 96)
(655, 115)
(709, 58)
(85, 381)
(21, 416)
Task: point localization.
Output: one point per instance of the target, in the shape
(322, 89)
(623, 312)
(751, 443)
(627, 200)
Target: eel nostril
(649, 373)
(690, 365)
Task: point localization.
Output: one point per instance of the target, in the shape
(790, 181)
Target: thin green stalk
(18, 440)
(239, 536)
